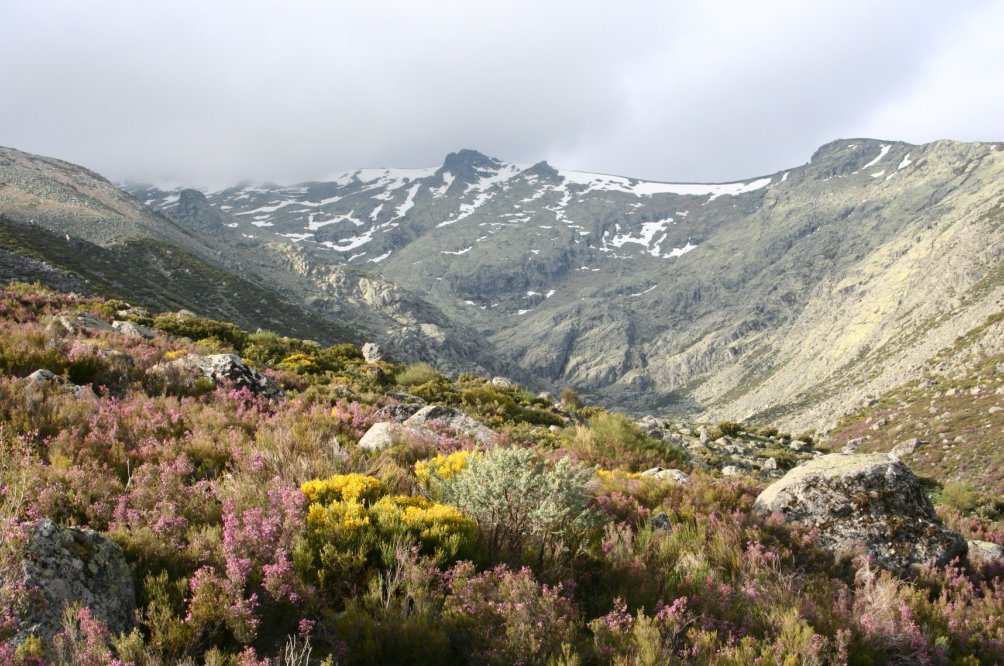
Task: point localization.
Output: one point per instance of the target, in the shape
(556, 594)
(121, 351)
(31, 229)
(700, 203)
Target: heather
(258, 532)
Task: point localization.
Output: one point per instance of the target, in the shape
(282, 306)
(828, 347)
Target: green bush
(198, 328)
(729, 428)
(524, 507)
(417, 374)
(615, 441)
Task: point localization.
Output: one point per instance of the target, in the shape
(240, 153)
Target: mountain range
(788, 298)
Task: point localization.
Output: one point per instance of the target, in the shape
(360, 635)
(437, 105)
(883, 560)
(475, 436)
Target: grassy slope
(153, 274)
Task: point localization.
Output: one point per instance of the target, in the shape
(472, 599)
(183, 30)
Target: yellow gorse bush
(442, 467)
(349, 517)
(344, 487)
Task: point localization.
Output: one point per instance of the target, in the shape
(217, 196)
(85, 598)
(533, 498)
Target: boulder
(222, 369)
(71, 323)
(37, 382)
(731, 470)
(853, 444)
(65, 565)
(676, 475)
(436, 417)
(133, 330)
(869, 502)
(382, 435)
(769, 464)
(400, 412)
(373, 352)
(798, 446)
(504, 382)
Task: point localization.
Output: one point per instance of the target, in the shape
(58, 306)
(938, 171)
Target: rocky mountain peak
(470, 165)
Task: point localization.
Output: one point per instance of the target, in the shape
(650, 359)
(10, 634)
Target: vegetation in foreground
(258, 532)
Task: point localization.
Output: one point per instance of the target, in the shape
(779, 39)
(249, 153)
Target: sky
(210, 93)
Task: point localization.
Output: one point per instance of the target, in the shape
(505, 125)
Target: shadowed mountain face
(785, 298)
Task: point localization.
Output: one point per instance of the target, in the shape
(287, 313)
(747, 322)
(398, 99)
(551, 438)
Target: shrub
(520, 503)
(417, 374)
(344, 488)
(729, 428)
(441, 467)
(614, 440)
(570, 398)
(506, 617)
(198, 328)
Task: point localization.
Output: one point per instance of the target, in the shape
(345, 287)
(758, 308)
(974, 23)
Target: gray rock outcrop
(222, 369)
(382, 435)
(679, 476)
(868, 502)
(66, 565)
(436, 417)
(41, 380)
(71, 323)
(373, 352)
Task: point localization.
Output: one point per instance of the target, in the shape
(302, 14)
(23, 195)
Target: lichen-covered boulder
(871, 503)
(436, 417)
(65, 565)
(222, 369)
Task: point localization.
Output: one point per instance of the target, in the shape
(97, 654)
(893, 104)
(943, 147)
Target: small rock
(731, 470)
(660, 521)
(770, 464)
(679, 476)
(703, 433)
(984, 550)
(372, 352)
(906, 447)
(798, 446)
(950, 392)
(133, 330)
(853, 445)
(504, 382)
(995, 410)
(549, 397)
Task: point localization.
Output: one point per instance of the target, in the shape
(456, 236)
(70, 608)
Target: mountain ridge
(786, 297)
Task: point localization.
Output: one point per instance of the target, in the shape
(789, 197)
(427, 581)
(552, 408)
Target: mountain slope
(91, 235)
(786, 297)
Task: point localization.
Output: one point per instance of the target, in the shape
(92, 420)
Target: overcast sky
(213, 92)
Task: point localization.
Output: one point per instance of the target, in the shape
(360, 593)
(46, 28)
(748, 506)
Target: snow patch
(680, 251)
(458, 252)
(600, 182)
(905, 163)
(882, 153)
(377, 260)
